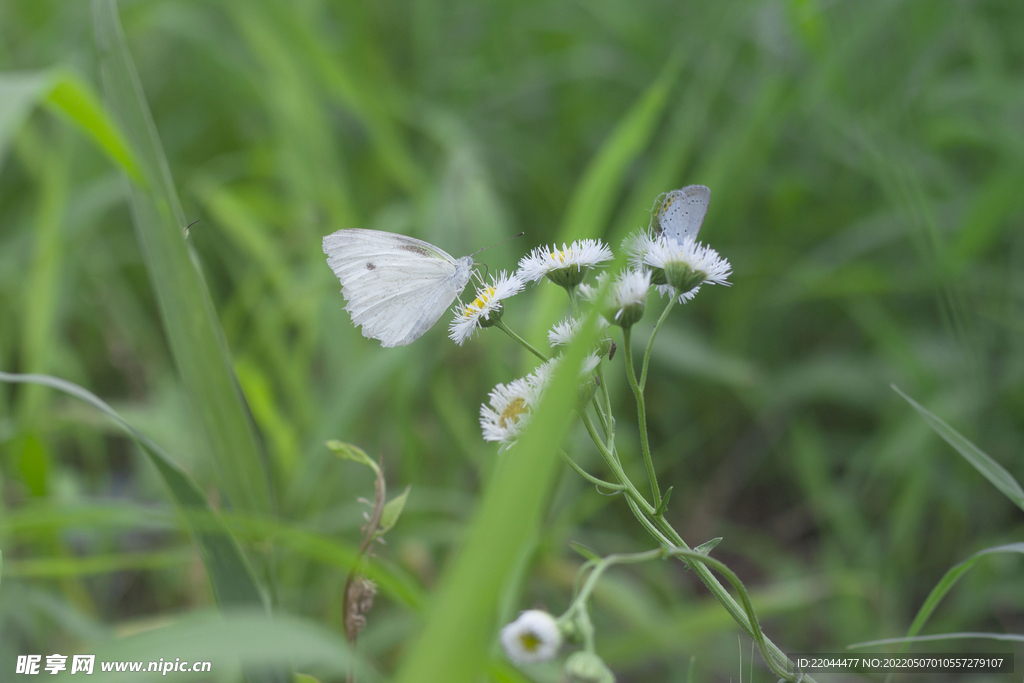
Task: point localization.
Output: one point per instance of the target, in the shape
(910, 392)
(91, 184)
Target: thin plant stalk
(529, 347)
(650, 342)
(641, 411)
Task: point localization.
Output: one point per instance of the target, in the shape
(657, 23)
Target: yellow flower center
(515, 408)
(483, 297)
(529, 641)
(560, 257)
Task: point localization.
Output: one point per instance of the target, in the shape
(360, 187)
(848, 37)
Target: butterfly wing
(680, 213)
(396, 287)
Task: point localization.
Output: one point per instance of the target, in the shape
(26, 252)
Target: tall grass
(865, 162)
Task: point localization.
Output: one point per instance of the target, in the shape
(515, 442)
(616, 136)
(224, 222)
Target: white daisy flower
(590, 364)
(510, 409)
(562, 333)
(485, 309)
(629, 297)
(670, 291)
(533, 637)
(542, 374)
(637, 245)
(680, 267)
(565, 266)
(512, 405)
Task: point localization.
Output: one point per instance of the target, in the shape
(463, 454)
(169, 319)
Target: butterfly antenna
(499, 243)
(189, 226)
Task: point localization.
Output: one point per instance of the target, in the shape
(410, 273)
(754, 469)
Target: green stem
(641, 412)
(529, 347)
(574, 301)
(598, 408)
(589, 477)
(650, 342)
(609, 426)
(663, 532)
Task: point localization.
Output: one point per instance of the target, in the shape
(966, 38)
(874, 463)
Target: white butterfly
(680, 213)
(396, 286)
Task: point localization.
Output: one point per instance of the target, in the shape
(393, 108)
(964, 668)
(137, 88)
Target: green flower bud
(587, 667)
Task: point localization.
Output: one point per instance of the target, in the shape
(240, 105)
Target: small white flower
(510, 409)
(564, 266)
(670, 291)
(542, 374)
(512, 405)
(637, 245)
(701, 258)
(485, 309)
(562, 333)
(533, 637)
(679, 267)
(590, 364)
(629, 297)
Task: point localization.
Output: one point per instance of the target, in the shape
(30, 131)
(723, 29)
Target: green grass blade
(594, 196)
(32, 520)
(76, 100)
(961, 635)
(58, 567)
(190, 323)
(19, 94)
(69, 96)
(950, 578)
(230, 573)
(461, 625)
(989, 468)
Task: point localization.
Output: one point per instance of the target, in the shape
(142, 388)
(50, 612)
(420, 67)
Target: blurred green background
(866, 163)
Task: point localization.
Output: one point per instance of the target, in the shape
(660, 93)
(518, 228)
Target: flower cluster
(668, 258)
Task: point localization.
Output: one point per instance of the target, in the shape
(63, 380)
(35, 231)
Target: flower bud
(587, 667)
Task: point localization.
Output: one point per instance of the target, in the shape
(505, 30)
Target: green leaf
(347, 451)
(706, 547)
(76, 100)
(186, 309)
(69, 96)
(989, 468)
(664, 502)
(585, 551)
(392, 511)
(460, 628)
